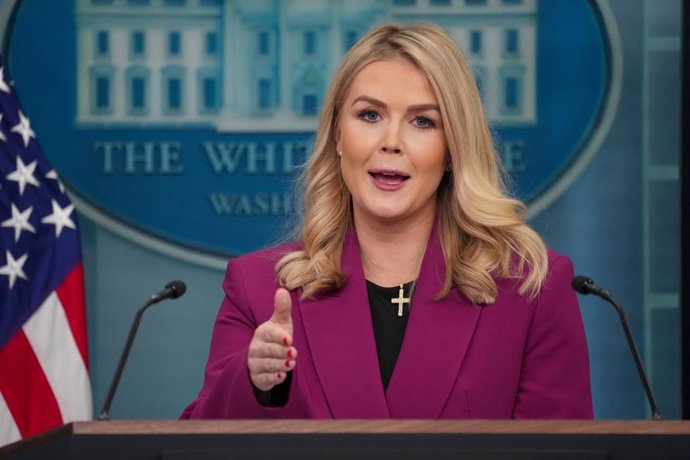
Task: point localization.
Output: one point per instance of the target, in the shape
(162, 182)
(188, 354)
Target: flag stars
(2, 135)
(3, 85)
(20, 221)
(14, 268)
(24, 174)
(23, 128)
(60, 218)
(52, 174)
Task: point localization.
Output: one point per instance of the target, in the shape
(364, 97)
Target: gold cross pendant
(401, 300)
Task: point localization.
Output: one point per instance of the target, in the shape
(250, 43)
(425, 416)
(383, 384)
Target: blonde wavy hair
(482, 230)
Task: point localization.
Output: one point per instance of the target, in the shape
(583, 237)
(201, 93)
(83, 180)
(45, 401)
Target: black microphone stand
(584, 285)
(123, 358)
(594, 289)
(656, 415)
(172, 290)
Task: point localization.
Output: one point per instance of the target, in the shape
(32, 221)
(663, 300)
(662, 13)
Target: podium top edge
(564, 427)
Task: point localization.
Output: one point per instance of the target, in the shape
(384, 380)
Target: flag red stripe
(25, 388)
(71, 295)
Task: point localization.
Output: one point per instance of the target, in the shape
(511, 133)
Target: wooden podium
(359, 439)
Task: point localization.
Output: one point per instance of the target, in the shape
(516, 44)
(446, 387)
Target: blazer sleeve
(227, 391)
(554, 380)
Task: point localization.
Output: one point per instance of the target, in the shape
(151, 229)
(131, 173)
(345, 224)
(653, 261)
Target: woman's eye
(424, 122)
(369, 115)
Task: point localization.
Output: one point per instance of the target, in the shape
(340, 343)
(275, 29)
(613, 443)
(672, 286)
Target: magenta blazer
(515, 358)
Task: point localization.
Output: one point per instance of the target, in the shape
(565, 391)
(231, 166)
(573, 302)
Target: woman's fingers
(282, 305)
(260, 349)
(266, 373)
(268, 366)
(273, 333)
(265, 382)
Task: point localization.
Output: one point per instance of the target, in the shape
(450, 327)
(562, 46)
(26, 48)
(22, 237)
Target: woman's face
(392, 144)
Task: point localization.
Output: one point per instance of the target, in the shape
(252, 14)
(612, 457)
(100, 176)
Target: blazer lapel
(436, 340)
(340, 334)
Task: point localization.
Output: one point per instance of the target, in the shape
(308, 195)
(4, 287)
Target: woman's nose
(391, 142)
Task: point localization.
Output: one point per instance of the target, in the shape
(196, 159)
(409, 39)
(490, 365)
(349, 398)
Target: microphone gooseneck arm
(123, 359)
(172, 290)
(636, 357)
(586, 286)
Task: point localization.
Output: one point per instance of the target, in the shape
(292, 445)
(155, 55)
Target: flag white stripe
(8, 429)
(51, 338)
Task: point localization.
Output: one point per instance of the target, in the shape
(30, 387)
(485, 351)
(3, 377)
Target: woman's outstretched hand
(271, 354)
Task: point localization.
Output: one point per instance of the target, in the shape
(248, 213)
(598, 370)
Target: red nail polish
(280, 376)
(287, 363)
(285, 341)
(290, 353)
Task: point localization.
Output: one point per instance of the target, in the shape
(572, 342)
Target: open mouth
(389, 177)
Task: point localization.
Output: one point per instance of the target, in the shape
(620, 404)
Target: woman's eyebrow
(370, 100)
(412, 108)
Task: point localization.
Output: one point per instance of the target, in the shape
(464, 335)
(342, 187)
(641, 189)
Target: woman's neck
(392, 254)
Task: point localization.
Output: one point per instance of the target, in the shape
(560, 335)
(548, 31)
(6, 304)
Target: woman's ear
(336, 138)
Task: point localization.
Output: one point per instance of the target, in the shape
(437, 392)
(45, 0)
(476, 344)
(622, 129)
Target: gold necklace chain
(366, 256)
(401, 300)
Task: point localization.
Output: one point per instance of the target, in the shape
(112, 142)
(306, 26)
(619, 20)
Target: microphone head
(582, 284)
(177, 288)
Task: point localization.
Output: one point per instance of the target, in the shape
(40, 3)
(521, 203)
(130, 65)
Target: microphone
(585, 286)
(172, 290)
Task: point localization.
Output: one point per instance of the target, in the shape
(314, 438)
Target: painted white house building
(264, 65)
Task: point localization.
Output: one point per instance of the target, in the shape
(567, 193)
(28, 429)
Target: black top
(389, 328)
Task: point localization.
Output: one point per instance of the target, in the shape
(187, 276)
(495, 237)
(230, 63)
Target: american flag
(44, 378)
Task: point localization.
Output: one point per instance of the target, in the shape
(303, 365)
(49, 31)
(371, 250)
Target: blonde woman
(416, 290)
